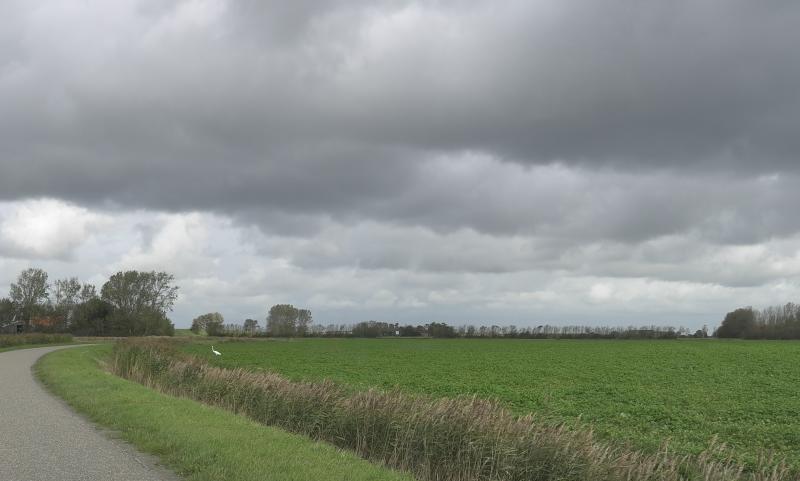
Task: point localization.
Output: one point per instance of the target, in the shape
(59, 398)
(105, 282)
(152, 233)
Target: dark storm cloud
(357, 110)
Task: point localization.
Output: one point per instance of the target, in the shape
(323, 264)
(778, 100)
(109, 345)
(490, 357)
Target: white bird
(216, 353)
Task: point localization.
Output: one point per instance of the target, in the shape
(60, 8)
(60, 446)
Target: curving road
(42, 439)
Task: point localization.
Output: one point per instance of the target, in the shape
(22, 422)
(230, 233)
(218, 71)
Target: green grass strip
(31, 346)
(33, 339)
(199, 442)
(187, 333)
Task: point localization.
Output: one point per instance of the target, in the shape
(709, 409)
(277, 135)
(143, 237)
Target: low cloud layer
(511, 160)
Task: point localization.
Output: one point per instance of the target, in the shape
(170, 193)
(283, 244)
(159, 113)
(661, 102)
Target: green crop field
(642, 392)
(185, 333)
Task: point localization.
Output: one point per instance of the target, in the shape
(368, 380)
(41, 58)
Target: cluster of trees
(283, 320)
(385, 329)
(130, 303)
(775, 322)
(212, 323)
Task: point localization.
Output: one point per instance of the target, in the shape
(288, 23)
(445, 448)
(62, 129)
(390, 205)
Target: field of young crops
(644, 392)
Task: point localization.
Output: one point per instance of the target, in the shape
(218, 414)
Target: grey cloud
(564, 124)
(622, 82)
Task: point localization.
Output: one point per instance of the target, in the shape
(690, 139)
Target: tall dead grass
(465, 439)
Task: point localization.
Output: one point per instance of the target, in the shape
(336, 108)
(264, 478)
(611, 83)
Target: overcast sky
(487, 161)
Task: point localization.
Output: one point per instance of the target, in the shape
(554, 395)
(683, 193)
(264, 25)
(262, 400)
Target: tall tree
(93, 318)
(212, 323)
(739, 323)
(7, 312)
(141, 301)
(88, 292)
(282, 320)
(197, 325)
(132, 292)
(304, 321)
(66, 293)
(30, 294)
(250, 326)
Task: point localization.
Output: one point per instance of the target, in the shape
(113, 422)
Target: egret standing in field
(216, 353)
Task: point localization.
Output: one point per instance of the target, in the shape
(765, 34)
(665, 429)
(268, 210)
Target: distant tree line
(443, 330)
(130, 303)
(285, 320)
(774, 322)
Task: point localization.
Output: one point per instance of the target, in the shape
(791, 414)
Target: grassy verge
(31, 346)
(464, 439)
(30, 340)
(186, 333)
(199, 442)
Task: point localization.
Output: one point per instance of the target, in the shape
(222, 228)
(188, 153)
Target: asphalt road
(42, 439)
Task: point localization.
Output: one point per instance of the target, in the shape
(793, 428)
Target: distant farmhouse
(12, 327)
(46, 323)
